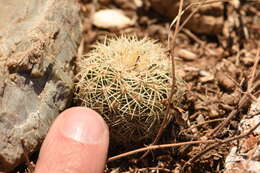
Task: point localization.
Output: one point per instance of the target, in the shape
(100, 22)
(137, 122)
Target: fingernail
(84, 125)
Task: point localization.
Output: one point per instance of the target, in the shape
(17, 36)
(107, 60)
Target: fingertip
(83, 125)
(77, 141)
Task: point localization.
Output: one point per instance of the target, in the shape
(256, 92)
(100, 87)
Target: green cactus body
(126, 80)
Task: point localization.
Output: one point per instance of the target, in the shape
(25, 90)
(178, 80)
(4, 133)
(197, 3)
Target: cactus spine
(126, 79)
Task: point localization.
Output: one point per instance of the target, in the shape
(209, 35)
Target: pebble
(111, 18)
(225, 81)
(186, 54)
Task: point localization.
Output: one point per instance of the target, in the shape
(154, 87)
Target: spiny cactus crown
(126, 80)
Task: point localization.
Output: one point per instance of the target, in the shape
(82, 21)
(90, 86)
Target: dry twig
(155, 147)
(244, 100)
(220, 142)
(30, 166)
(167, 114)
(149, 169)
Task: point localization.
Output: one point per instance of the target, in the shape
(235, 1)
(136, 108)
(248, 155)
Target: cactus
(126, 80)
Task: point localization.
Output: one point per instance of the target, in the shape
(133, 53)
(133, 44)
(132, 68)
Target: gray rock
(38, 43)
(244, 157)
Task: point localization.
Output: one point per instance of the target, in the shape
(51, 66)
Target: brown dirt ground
(217, 77)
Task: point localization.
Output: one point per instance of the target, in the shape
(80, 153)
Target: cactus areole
(126, 80)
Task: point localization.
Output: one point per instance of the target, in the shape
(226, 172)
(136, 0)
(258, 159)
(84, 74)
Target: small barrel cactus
(127, 81)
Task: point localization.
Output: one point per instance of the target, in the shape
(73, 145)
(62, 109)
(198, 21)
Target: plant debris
(216, 51)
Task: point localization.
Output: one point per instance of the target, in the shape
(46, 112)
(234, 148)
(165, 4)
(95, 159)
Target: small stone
(200, 119)
(248, 61)
(208, 20)
(225, 81)
(214, 111)
(206, 76)
(230, 99)
(111, 18)
(138, 3)
(186, 54)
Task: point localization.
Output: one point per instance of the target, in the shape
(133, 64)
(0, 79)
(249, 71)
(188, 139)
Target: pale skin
(77, 142)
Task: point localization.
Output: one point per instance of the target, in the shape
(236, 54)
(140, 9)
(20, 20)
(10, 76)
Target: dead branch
(244, 100)
(167, 118)
(220, 142)
(155, 147)
(149, 169)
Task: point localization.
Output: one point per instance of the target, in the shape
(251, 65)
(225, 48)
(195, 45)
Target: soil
(217, 74)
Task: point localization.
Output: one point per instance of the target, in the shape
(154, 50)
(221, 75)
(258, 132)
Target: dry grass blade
(172, 54)
(149, 169)
(214, 142)
(127, 86)
(189, 162)
(193, 12)
(244, 100)
(253, 73)
(167, 118)
(30, 166)
(155, 147)
(199, 5)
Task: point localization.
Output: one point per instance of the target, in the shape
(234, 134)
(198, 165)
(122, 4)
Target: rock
(208, 20)
(254, 114)
(38, 43)
(248, 61)
(206, 76)
(230, 99)
(244, 158)
(200, 119)
(111, 18)
(225, 82)
(186, 54)
(138, 3)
